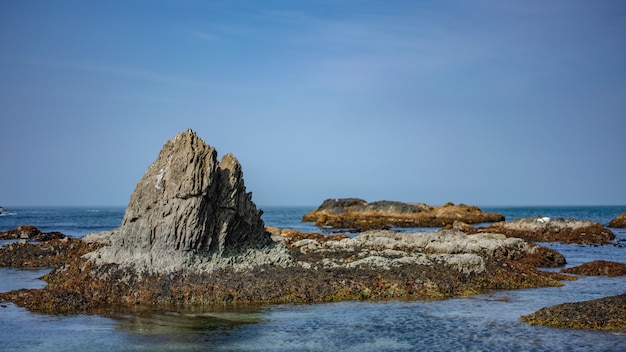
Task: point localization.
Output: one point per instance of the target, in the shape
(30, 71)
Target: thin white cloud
(205, 36)
(122, 71)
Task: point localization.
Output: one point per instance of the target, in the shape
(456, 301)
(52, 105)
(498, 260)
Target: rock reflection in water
(177, 326)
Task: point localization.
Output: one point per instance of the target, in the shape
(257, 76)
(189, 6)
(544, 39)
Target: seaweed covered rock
(355, 213)
(544, 229)
(190, 212)
(619, 221)
(30, 233)
(607, 314)
(375, 265)
(598, 268)
(50, 253)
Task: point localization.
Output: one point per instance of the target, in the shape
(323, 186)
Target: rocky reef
(355, 213)
(375, 265)
(601, 314)
(29, 233)
(607, 314)
(543, 229)
(191, 235)
(619, 221)
(598, 268)
(43, 253)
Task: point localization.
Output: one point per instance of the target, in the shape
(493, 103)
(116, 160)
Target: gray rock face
(187, 208)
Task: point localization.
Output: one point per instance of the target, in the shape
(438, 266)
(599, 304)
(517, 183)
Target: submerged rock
(619, 221)
(355, 213)
(601, 314)
(190, 212)
(544, 229)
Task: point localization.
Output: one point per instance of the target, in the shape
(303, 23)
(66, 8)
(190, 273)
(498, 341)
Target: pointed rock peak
(190, 203)
(229, 162)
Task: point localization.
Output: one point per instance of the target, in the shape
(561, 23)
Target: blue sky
(480, 102)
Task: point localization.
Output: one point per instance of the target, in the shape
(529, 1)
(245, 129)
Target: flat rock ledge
(358, 214)
(619, 221)
(544, 229)
(608, 314)
(598, 268)
(375, 265)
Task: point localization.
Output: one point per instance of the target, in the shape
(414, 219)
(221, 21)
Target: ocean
(487, 322)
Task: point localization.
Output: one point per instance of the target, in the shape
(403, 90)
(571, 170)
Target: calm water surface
(479, 323)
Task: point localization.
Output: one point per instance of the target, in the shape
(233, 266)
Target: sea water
(488, 322)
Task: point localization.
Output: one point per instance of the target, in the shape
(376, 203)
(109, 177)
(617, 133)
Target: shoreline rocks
(607, 314)
(619, 221)
(543, 229)
(355, 213)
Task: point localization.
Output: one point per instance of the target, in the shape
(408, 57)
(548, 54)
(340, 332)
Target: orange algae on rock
(355, 213)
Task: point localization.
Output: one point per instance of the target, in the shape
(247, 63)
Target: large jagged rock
(355, 213)
(190, 212)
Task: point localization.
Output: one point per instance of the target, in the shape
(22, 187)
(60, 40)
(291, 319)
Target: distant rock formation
(29, 233)
(190, 212)
(544, 229)
(619, 221)
(355, 213)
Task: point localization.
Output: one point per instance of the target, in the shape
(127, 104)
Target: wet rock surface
(619, 221)
(355, 213)
(598, 268)
(543, 229)
(601, 314)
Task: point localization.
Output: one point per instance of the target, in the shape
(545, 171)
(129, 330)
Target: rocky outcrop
(619, 221)
(543, 229)
(355, 213)
(47, 253)
(29, 233)
(375, 265)
(192, 236)
(598, 268)
(607, 314)
(386, 249)
(192, 212)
